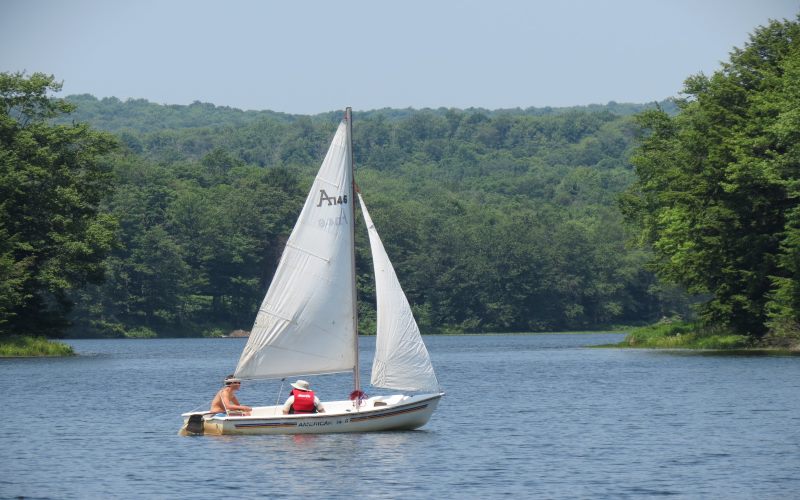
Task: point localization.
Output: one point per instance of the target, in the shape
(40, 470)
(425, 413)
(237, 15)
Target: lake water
(524, 416)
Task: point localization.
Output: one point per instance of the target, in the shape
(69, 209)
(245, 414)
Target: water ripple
(524, 416)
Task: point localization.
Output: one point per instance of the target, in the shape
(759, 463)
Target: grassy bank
(24, 346)
(684, 336)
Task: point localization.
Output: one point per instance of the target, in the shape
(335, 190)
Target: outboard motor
(195, 424)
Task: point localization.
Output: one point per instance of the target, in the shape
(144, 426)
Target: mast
(349, 117)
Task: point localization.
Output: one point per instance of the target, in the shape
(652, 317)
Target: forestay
(401, 359)
(305, 324)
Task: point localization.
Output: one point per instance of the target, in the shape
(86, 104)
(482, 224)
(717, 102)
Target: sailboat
(307, 322)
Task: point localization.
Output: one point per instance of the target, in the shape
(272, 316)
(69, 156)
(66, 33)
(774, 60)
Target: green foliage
(495, 220)
(24, 346)
(199, 243)
(141, 332)
(53, 237)
(783, 335)
(717, 189)
(214, 333)
(140, 115)
(679, 335)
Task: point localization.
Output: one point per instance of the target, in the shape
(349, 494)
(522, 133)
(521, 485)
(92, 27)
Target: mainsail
(401, 359)
(306, 324)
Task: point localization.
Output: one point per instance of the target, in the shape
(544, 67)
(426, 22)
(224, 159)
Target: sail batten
(307, 252)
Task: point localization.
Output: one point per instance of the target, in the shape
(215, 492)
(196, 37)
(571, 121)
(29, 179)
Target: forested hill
(500, 220)
(115, 115)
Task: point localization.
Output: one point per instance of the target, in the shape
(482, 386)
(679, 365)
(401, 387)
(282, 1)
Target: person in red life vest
(302, 400)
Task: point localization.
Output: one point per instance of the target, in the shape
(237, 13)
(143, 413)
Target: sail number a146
(331, 200)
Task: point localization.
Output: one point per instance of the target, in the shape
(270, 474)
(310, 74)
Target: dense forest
(495, 221)
(137, 219)
(502, 220)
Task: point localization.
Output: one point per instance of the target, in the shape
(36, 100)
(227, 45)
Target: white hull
(382, 413)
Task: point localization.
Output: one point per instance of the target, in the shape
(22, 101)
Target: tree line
(495, 221)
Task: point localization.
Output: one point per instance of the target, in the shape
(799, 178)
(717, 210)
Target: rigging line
(222, 400)
(304, 353)
(299, 374)
(193, 410)
(278, 399)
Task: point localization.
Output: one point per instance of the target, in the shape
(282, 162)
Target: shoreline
(705, 351)
(691, 337)
(28, 346)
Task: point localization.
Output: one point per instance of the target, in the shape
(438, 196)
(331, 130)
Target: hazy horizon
(315, 58)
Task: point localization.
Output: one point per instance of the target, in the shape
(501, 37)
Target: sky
(313, 56)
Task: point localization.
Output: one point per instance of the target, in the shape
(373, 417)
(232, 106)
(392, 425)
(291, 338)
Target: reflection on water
(528, 416)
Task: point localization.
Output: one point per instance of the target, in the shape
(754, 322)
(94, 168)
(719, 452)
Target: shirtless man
(225, 401)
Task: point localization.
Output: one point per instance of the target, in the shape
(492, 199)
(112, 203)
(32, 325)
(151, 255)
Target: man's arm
(231, 403)
(288, 405)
